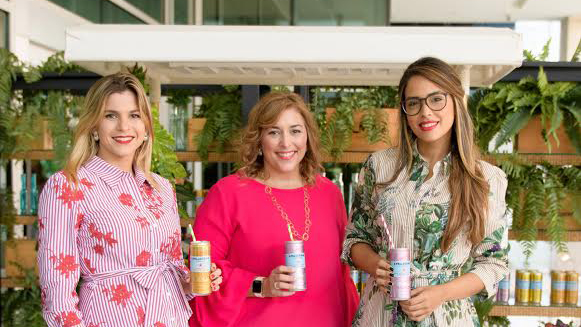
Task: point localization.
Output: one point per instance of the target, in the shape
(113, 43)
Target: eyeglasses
(436, 102)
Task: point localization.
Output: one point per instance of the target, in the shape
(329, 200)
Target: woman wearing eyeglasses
(439, 201)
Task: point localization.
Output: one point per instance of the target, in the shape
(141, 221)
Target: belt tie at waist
(148, 277)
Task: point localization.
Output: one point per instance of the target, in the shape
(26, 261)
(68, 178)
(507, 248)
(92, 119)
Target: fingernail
(391, 275)
(389, 284)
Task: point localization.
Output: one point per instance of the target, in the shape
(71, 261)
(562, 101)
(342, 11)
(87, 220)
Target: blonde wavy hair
(85, 147)
(264, 115)
(468, 187)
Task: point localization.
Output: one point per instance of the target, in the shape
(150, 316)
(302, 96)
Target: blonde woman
(111, 224)
(439, 200)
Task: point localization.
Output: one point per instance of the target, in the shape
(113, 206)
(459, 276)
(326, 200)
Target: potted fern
(358, 120)
(222, 112)
(545, 115)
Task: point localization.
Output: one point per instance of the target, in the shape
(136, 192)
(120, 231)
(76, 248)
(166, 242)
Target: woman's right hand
(278, 283)
(383, 274)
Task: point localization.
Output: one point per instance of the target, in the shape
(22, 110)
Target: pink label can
(401, 282)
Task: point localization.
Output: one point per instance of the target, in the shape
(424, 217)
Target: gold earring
(146, 137)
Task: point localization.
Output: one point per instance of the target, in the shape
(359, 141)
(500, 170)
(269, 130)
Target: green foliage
(223, 112)
(179, 98)
(336, 130)
(164, 160)
(577, 53)
(535, 193)
(506, 108)
(483, 308)
(7, 212)
(22, 307)
(529, 56)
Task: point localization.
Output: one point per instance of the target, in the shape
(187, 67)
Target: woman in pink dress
(247, 216)
(111, 223)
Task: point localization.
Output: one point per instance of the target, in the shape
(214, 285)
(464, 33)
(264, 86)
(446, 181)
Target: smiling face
(430, 126)
(284, 145)
(121, 130)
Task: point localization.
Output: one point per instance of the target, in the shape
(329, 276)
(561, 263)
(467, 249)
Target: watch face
(257, 286)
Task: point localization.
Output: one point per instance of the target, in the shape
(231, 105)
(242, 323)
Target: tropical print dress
(416, 211)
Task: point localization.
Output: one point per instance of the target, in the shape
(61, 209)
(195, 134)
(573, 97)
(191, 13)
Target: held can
(364, 277)
(503, 293)
(536, 287)
(572, 288)
(294, 256)
(200, 264)
(355, 274)
(523, 284)
(401, 280)
(558, 283)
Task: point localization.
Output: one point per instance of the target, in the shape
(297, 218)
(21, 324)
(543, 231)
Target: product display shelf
(540, 311)
(25, 220)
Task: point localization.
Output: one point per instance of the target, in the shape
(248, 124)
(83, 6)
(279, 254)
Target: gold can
(558, 283)
(523, 285)
(536, 289)
(200, 265)
(572, 288)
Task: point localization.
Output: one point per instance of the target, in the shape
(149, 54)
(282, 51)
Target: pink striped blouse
(121, 238)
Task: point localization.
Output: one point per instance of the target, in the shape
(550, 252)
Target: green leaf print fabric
(416, 211)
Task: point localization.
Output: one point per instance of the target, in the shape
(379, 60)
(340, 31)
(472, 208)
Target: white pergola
(277, 55)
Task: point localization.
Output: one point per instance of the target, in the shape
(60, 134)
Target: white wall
(37, 28)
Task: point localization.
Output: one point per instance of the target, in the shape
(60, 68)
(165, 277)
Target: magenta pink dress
(247, 236)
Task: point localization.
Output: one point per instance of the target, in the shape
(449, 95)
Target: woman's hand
(423, 301)
(383, 273)
(279, 283)
(215, 277)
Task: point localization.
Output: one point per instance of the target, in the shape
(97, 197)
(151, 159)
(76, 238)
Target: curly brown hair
(264, 115)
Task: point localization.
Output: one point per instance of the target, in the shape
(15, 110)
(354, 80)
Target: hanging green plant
(179, 98)
(223, 112)
(535, 194)
(22, 306)
(337, 129)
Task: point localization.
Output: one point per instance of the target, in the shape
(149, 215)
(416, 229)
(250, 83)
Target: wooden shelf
(539, 311)
(347, 157)
(25, 220)
(570, 236)
(35, 155)
(10, 282)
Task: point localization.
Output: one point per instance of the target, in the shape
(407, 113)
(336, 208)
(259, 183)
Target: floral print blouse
(416, 211)
(119, 238)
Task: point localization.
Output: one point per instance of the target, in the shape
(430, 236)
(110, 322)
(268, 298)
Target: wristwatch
(257, 286)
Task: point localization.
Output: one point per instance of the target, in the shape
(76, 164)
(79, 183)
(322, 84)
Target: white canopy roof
(294, 55)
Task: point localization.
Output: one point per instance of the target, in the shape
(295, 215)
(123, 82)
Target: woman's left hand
(423, 301)
(215, 276)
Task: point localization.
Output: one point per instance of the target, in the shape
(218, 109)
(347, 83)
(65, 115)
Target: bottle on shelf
(351, 190)
(33, 196)
(178, 126)
(338, 180)
(23, 195)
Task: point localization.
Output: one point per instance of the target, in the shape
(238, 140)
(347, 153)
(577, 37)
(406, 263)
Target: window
(4, 32)
(99, 11)
(296, 12)
(153, 8)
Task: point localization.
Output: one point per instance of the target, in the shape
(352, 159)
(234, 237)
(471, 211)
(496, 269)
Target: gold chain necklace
(305, 235)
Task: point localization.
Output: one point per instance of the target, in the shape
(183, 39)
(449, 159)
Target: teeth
(123, 138)
(428, 124)
(286, 154)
